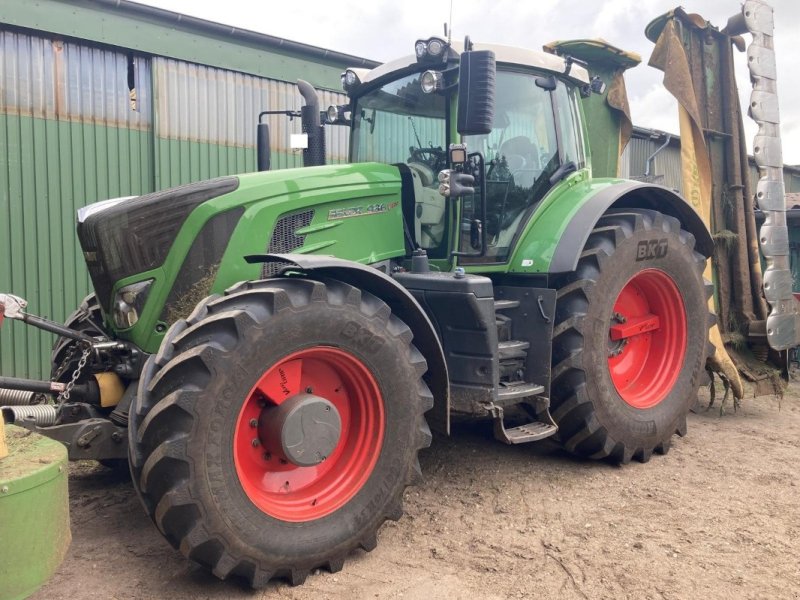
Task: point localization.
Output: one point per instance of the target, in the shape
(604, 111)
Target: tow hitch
(81, 416)
(13, 307)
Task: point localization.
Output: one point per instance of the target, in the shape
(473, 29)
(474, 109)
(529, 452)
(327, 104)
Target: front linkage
(89, 415)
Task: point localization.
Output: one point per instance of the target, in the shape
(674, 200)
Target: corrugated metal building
(666, 161)
(107, 98)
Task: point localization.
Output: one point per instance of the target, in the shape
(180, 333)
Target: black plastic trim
(137, 234)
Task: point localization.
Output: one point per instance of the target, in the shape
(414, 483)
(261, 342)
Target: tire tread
(572, 408)
(159, 429)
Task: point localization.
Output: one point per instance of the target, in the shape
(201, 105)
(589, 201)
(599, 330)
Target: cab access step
(529, 432)
(513, 361)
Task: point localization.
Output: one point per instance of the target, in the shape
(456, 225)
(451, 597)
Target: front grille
(136, 235)
(283, 239)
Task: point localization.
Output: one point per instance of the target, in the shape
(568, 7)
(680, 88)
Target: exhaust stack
(314, 154)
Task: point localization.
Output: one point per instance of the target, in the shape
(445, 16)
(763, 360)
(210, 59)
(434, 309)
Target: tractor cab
(527, 138)
(515, 110)
(281, 341)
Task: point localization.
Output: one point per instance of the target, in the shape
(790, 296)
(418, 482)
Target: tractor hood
(201, 232)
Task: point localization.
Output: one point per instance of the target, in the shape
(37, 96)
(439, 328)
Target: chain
(71, 352)
(64, 396)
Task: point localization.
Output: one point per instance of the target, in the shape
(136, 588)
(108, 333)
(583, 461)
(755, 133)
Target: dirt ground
(718, 517)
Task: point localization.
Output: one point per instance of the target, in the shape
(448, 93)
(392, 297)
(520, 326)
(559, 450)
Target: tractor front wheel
(277, 427)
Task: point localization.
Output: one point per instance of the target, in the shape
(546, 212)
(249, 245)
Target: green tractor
(269, 349)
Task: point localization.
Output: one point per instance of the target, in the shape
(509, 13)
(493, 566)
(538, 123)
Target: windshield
(399, 123)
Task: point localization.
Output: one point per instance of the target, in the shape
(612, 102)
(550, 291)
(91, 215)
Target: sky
(383, 30)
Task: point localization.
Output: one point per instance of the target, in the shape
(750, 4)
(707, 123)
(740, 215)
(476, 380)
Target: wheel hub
(309, 434)
(647, 338)
(303, 429)
(615, 346)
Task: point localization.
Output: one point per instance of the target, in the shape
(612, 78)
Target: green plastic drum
(34, 512)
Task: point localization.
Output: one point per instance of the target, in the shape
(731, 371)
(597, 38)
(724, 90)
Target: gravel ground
(718, 517)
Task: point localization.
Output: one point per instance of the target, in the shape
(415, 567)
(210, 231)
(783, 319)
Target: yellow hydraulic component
(111, 388)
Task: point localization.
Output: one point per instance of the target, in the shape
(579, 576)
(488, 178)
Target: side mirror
(476, 90)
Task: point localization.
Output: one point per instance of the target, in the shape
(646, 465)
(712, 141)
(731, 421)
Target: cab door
(534, 133)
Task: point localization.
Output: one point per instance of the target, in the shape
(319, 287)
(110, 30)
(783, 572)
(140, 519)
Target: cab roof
(508, 55)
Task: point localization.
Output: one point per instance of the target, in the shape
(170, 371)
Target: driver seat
(523, 160)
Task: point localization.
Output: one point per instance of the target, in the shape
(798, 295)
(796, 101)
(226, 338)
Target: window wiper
(562, 171)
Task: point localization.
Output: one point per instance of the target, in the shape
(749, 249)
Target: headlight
(332, 113)
(129, 302)
(432, 50)
(350, 79)
(435, 47)
(431, 81)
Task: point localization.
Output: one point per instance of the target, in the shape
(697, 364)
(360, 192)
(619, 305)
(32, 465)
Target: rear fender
(399, 300)
(626, 194)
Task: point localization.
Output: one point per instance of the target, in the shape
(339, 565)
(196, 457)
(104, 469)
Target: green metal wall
(81, 123)
(49, 170)
(68, 137)
(205, 122)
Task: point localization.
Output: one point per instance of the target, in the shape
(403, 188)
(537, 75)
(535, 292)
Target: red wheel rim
(647, 338)
(294, 493)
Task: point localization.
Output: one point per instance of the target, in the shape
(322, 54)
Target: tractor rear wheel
(277, 427)
(631, 338)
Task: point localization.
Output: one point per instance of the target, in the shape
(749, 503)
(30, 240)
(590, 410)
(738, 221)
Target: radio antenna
(448, 27)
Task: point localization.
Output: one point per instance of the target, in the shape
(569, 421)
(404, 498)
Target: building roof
(152, 30)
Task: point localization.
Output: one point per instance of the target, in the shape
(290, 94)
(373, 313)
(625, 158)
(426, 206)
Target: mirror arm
(478, 164)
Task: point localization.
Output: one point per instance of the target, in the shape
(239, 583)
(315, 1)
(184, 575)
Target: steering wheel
(434, 158)
(516, 162)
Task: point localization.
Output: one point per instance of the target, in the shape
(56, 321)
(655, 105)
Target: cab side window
(569, 125)
(521, 153)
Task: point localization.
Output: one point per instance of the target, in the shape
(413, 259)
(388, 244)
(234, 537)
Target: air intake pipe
(314, 154)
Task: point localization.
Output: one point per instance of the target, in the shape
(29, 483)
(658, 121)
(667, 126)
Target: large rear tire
(631, 338)
(203, 429)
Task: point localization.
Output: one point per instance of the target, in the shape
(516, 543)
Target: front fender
(399, 300)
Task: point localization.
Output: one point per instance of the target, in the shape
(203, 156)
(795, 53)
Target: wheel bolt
(253, 422)
(309, 390)
(256, 443)
(267, 456)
